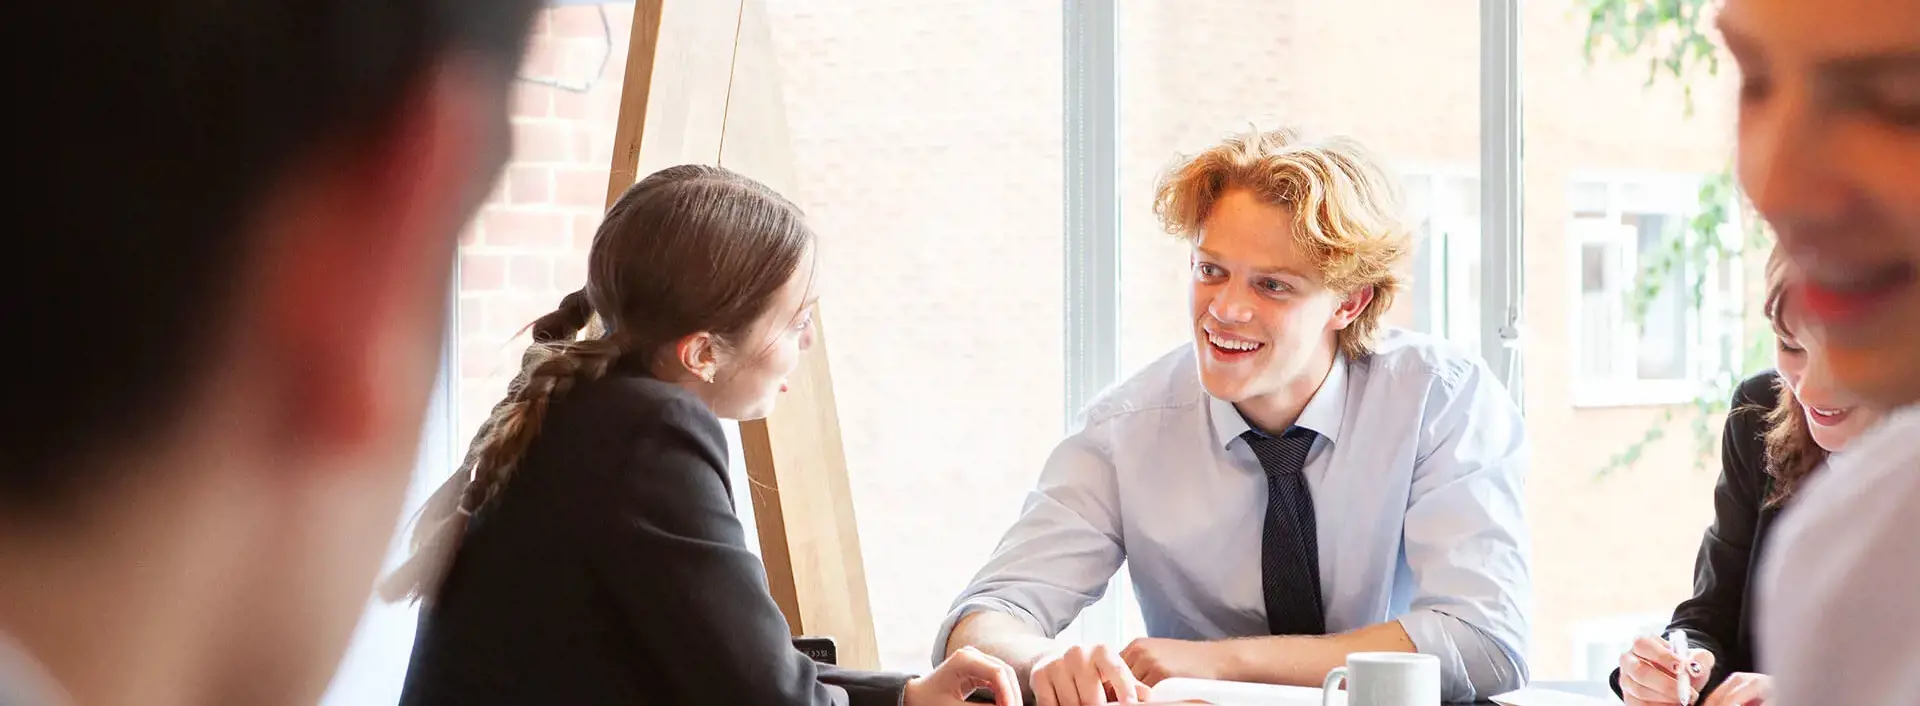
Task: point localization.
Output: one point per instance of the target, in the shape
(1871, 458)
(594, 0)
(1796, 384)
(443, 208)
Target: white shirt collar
(1323, 414)
(23, 681)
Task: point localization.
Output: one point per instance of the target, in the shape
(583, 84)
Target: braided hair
(689, 249)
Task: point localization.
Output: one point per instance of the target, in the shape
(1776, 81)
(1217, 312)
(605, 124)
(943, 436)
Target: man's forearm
(1003, 636)
(1304, 661)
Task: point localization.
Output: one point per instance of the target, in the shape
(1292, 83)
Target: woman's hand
(966, 670)
(1743, 689)
(1649, 674)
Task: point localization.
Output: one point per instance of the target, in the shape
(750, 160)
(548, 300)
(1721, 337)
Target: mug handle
(1333, 680)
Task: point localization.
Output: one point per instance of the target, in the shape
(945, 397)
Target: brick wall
(528, 247)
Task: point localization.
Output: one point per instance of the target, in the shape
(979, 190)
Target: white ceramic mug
(1386, 679)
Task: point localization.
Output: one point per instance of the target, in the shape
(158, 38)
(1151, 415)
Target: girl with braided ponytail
(587, 550)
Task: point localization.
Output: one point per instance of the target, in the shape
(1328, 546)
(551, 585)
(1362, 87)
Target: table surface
(1596, 689)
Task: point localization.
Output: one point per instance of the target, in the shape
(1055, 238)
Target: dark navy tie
(1289, 554)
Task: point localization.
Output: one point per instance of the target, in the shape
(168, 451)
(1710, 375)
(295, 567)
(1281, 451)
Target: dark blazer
(1719, 616)
(612, 570)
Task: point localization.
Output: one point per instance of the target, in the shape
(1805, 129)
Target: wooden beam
(636, 88)
(756, 140)
(803, 504)
(703, 83)
(690, 82)
(673, 99)
(802, 500)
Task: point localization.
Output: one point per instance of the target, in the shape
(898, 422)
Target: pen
(1677, 641)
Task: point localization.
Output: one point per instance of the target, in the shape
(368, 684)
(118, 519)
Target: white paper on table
(1233, 693)
(1535, 696)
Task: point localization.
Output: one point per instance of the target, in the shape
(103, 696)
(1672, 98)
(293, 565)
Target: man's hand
(1083, 676)
(1154, 659)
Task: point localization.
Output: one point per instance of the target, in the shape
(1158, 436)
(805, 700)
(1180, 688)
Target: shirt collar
(1323, 414)
(23, 680)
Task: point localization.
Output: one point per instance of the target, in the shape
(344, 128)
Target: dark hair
(156, 130)
(1792, 454)
(688, 249)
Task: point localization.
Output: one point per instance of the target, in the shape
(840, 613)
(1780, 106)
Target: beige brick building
(928, 140)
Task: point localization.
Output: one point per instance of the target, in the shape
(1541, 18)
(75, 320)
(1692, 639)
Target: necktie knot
(1282, 454)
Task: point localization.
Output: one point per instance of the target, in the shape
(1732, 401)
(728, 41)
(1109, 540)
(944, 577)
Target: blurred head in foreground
(242, 217)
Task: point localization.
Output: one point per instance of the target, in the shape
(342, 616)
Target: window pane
(1664, 337)
(1419, 196)
(1604, 145)
(1598, 298)
(1399, 75)
(1593, 268)
(933, 172)
(1453, 235)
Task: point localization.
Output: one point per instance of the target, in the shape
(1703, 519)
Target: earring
(706, 376)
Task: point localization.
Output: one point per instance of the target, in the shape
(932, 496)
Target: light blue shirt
(1416, 481)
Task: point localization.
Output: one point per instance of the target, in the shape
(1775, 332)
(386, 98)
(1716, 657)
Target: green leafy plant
(1675, 39)
(1672, 36)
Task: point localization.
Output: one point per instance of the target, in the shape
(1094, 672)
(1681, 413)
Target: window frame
(1090, 142)
(1723, 299)
(1433, 284)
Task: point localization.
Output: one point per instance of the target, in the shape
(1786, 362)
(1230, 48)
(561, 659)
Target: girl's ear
(698, 355)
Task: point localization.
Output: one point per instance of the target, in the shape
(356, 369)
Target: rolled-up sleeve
(1058, 556)
(1466, 539)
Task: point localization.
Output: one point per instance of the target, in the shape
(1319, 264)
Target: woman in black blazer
(587, 551)
(1781, 427)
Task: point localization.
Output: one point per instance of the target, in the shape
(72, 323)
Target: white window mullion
(1091, 144)
(1502, 245)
